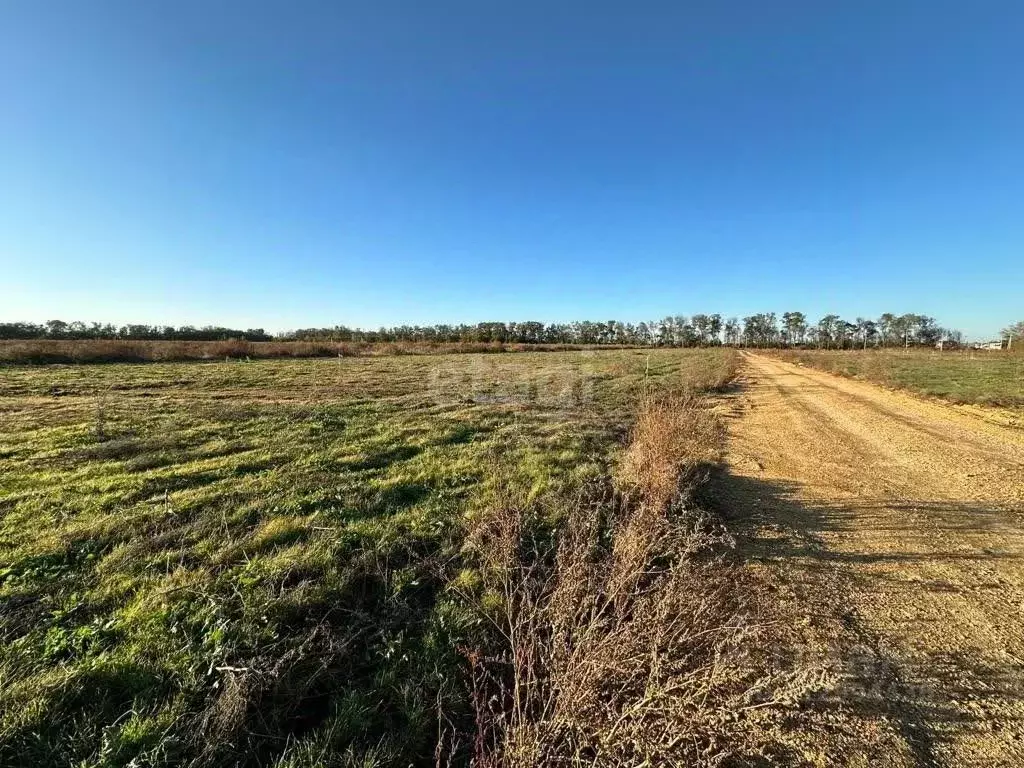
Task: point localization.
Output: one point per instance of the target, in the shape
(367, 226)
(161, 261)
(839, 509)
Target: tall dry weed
(674, 442)
(623, 639)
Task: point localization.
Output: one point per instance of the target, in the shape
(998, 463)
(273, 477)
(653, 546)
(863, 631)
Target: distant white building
(1001, 344)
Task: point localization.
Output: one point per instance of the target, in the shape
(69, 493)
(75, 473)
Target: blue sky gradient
(293, 164)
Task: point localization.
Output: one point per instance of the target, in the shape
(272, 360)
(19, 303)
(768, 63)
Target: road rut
(900, 522)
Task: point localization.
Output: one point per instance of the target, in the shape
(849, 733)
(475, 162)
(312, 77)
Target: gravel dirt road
(898, 525)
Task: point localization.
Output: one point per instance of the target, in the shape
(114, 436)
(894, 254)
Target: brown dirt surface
(895, 525)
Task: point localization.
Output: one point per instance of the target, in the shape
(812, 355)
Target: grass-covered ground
(976, 377)
(76, 351)
(264, 562)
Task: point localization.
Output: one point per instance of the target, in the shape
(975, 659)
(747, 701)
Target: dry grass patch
(49, 351)
(624, 638)
(674, 441)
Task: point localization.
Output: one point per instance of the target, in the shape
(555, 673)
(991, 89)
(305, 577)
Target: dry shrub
(49, 351)
(624, 639)
(674, 442)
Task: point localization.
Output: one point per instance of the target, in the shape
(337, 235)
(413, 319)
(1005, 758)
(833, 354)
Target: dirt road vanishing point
(899, 524)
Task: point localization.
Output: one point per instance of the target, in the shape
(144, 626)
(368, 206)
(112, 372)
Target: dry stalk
(622, 641)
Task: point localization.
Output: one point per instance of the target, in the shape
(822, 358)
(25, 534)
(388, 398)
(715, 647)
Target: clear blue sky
(285, 164)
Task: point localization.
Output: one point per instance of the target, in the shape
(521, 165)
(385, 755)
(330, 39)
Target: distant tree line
(833, 332)
(760, 330)
(58, 329)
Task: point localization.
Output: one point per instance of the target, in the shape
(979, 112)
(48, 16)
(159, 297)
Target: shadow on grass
(358, 663)
(382, 459)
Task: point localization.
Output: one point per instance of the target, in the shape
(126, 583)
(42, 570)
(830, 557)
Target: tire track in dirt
(899, 524)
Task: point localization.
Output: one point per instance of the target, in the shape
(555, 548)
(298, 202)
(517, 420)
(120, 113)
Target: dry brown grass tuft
(674, 442)
(624, 640)
(711, 372)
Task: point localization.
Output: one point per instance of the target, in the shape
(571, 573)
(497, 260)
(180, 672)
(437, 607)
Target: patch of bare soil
(896, 525)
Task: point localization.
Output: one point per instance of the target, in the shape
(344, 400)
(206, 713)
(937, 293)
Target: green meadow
(201, 561)
(977, 377)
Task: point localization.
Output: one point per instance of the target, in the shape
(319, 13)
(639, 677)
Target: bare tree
(732, 331)
(827, 330)
(794, 325)
(867, 330)
(1014, 334)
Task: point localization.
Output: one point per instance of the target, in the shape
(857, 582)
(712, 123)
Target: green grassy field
(980, 377)
(262, 562)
